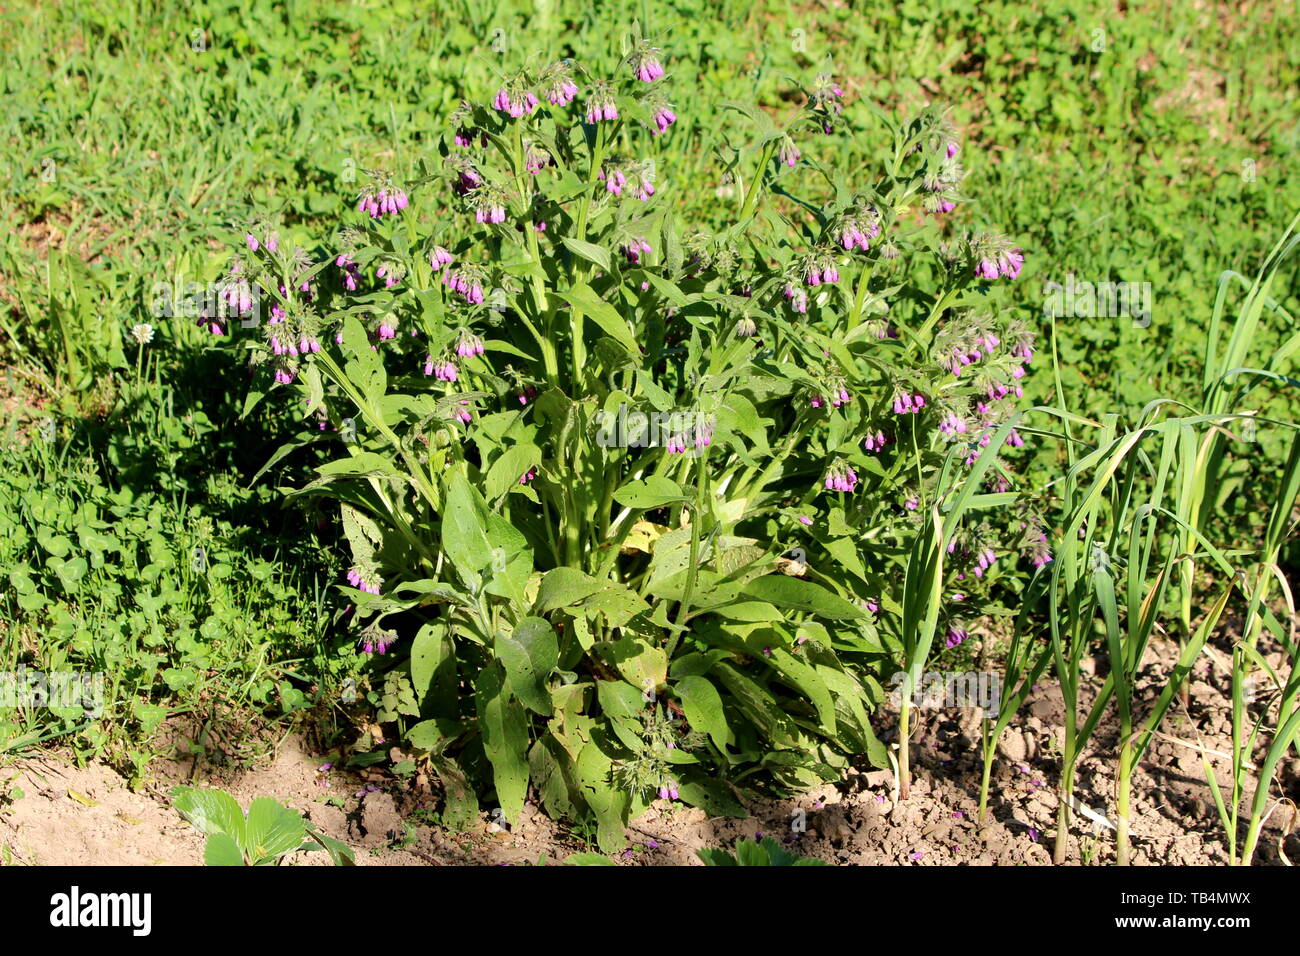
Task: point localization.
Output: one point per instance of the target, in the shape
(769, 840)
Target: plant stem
(697, 510)
(1065, 793)
(1252, 837)
(904, 730)
(988, 748)
(1125, 785)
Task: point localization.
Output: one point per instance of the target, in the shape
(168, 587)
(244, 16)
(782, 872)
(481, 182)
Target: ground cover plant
(613, 414)
(261, 836)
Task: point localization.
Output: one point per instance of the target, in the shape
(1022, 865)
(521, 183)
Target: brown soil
(89, 816)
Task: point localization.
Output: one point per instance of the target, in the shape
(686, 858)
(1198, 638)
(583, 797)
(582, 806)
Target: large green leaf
(529, 655)
(655, 492)
(503, 723)
(222, 850)
(640, 663)
(805, 679)
(598, 255)
(583, 298)
(608, 804)
(564, 586)
(511, 465)
(210, 811)
(271, 830)
(703, 707)
(788, 592)
(464, 531)
(511, 560)
(461, 809)
(758, 704)
(433, 669)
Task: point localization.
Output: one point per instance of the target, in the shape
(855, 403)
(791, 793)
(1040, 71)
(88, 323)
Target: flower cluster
(990, 256)
(376, 640)
(788, 152)
(515, 99)
(839, 395)
(616, 175)
(440, 257)
(645, 64)
(468, 281)
(444, 369)
(663, 117)
(876, 442)
(858, 226)
(841, 477)
(952, 424)
(601, 105)
(797, 297)
(468, 344)
(908, 403)
(820, 267)
(824, 101)
(351, 271)
(634, 248)
(380, 202)
(557, 83)
(365, 580)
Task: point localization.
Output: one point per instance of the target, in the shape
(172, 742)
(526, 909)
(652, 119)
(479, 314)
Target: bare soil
(88, 816)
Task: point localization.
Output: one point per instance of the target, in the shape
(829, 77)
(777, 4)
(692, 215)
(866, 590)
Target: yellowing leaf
(643, 536)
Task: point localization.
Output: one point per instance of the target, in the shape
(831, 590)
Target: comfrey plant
(804, 473)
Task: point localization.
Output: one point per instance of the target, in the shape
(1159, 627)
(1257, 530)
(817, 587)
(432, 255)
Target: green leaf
(716, 857)
(788, 592)
(714, 797)
(640, 663)
(509, 467)
(703, 707)
(565, 586)
(433, 669)
(805, 679)
(592, 253)
(271, 830)
(655, 492)
(529, 656)
(758, 704)
(609, 805)
(618, 604)
(503, 723)
(588, 859)
(364, 367)
(464, 534)
(210, 811)
(583, 298)
(433, 734)
(340, 853)
(668, 290)
(222, 850)
(461, 810)
(551, 769)
(511, 560)
(751, 854)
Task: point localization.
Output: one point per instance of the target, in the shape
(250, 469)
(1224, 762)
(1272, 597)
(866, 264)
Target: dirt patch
(88, 816)
(71, 816)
